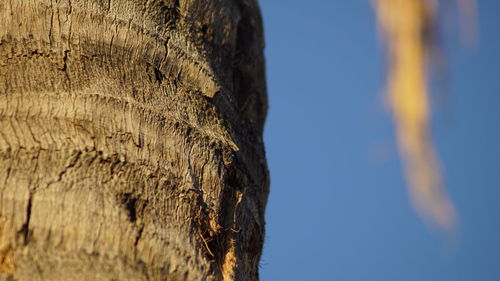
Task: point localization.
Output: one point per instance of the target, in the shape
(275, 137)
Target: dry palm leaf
(408, 26)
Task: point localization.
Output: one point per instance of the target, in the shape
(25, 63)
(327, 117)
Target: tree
(131, 140)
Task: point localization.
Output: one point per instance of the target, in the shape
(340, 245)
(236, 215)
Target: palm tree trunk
(131, 140)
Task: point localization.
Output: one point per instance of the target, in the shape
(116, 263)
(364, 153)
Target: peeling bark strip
(131, 140)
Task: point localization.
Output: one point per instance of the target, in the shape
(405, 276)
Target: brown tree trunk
(131, 140)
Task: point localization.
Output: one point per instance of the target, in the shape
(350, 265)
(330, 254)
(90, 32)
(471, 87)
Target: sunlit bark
(130, 140)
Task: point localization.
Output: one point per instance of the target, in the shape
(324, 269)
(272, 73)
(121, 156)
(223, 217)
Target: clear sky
(338, 208)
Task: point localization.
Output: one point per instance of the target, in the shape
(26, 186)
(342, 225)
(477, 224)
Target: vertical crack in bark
(51, 22)
(129, 202)
(139, 235)
(24, 231)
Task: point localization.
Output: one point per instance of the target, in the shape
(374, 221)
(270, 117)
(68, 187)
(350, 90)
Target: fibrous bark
(131, 140)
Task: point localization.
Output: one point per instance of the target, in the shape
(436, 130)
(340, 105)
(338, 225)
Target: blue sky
(338, 208)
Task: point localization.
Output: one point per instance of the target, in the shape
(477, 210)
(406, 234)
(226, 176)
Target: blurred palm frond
(409, 27)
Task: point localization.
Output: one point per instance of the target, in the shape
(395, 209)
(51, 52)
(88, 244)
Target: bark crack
(139, 235)
(69, 166)
(129, 202)
(65, 61)
(24, 231)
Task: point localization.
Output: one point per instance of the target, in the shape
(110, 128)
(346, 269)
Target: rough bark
(130, 140)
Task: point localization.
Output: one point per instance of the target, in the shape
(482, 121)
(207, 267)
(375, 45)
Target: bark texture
(130, 140)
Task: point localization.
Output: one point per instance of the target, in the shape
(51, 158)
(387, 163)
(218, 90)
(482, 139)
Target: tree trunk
(131, 140)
